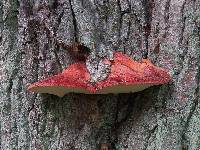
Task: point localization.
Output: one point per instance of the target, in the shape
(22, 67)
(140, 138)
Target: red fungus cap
(74, 79)
(126, 76)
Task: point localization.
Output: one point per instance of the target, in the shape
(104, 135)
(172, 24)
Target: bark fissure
(151, 132)
(74, 22)
(166, 17)
(148, 6)
(183, 23)
(195, 102)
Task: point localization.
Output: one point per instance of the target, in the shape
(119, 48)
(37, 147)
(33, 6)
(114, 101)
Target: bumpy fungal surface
(126, 76)
(74, 79)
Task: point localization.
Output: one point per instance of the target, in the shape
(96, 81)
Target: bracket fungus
(126, 76)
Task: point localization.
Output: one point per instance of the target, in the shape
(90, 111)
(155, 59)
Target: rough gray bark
(159, 118)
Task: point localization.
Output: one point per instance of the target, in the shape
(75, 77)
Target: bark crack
(166, 17)
(183, 23)
(151, 132)
(74, 22)
(148, 6)
(194, 104)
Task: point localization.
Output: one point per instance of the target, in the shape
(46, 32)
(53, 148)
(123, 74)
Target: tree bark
(160, 118)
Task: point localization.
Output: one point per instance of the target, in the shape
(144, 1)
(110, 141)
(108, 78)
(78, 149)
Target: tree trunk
(159, 118)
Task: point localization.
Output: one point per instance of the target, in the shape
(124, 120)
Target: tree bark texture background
(159, 118)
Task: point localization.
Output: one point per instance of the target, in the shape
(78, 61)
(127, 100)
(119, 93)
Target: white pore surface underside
(61, 91)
